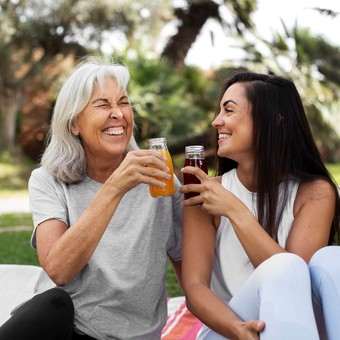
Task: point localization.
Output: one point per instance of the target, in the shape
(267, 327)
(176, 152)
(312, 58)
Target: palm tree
(314, 66)
(193, 17)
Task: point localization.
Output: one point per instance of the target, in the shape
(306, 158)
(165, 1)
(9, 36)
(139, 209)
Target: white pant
(279, 293)
(325, 273)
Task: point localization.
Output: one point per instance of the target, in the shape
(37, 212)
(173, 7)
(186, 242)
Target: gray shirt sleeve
(45, 201)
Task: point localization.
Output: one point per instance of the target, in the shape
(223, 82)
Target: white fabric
(17, 285)
(232, 266)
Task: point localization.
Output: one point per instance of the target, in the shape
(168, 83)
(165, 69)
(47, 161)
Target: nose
(217, 121)
(116, 112)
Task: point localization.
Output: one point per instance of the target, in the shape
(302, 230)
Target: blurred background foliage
(41, 40)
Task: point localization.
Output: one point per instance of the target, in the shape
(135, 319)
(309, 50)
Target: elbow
(60, 281)
(189, 290)
(58, 276)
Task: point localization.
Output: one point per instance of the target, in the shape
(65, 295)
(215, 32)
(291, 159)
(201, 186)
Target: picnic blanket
(17, 284)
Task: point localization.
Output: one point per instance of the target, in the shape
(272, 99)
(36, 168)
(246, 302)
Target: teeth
(114, 131)
(224, 135)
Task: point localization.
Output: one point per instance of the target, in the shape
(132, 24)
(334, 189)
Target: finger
(144, 175)
(155, 172)
(260, 326)
(149, 152)
(154, 159)
(196, 200)
(198, 188)
(199, 173)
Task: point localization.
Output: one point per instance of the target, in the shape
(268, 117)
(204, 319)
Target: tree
(37, 34)
(313, 64)
(193, 17)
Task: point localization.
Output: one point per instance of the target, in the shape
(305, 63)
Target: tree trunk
(192, 21)
(11, 101)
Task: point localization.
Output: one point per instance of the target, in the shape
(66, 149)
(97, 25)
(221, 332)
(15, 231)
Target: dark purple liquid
(192, 179)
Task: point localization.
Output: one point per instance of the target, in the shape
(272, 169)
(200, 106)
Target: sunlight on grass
(15, 248)
(334, 169)
(16, 219)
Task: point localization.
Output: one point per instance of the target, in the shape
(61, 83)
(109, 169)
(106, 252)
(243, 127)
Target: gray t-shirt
(121, 292)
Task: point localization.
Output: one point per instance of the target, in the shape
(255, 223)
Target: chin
(220, 153)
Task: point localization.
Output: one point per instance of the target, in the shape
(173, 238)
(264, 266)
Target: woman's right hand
(250, 330)
(140, 166)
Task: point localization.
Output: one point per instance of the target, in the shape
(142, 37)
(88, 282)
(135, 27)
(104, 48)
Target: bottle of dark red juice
(194, 157)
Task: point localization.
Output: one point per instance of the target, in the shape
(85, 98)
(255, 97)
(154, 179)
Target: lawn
(15, 248)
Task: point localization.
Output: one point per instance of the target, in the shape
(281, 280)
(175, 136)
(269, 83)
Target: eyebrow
(107, 101)
(228, 101)
(100, 100)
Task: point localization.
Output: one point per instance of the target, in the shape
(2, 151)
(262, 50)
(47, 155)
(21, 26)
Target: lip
(114, 131)
(222, 136)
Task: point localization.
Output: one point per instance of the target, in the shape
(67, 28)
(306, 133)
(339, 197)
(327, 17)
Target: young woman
(251, 231)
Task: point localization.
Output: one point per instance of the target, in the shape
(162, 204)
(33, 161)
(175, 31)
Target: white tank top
(232, 266)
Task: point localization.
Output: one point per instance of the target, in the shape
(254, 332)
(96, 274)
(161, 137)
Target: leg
(279, 293)
(47, 316)
(325, 273)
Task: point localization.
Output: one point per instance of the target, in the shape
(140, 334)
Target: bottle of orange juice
(160, 145)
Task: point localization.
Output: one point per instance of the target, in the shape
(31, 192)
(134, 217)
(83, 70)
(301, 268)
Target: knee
(56, 302)
(286, 261)
(325, 258)
(286, 268)
(60, 300)
(324, 267)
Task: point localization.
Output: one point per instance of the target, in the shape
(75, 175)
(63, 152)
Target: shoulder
(40, 174)
(319, 190)
(41, 178)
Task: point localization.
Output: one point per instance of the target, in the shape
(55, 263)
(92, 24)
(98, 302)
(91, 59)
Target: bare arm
(313, 211)
(62, 251)
(218, 201)
(313, 214)
(198, 252)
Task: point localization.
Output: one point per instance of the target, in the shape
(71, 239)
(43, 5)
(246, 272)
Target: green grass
(14, 173)
(334, 169)
(15, 248)
(15, 219)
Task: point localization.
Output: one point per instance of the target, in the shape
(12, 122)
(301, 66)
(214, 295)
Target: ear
(74, 131)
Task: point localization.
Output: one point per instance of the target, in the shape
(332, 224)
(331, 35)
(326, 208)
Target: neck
(100, 170)
(247, 177)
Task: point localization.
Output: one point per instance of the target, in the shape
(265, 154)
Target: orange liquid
(169, 189)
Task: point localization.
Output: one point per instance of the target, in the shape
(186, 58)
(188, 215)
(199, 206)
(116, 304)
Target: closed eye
(104, 106)
(229, 112)
(123, 103)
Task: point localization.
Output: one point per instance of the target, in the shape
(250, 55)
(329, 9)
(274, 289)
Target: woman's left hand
(213, 197)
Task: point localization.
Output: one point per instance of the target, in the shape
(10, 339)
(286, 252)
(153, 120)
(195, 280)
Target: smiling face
(234, 125)
(105, 125)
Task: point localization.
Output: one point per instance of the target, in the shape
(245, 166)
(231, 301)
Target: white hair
(64, 157)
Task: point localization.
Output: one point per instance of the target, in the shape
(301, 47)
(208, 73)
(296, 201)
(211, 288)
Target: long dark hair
(283, 143)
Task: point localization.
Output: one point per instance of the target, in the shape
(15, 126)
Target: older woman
(99, 234)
